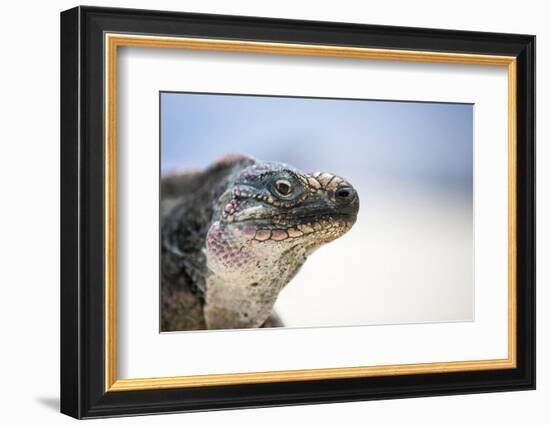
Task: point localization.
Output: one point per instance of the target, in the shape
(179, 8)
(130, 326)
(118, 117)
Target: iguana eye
(283, 187)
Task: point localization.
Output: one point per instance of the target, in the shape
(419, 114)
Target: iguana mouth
(328, 227)
(316, 228)
(282, 220)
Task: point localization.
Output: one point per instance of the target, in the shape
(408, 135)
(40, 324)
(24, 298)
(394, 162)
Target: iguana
(235, 234)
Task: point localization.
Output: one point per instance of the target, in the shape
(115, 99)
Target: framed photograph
(261, 212)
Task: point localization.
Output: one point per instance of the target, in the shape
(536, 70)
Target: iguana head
(270, 218)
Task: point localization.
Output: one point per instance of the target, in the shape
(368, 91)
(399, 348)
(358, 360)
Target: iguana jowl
(234, 235)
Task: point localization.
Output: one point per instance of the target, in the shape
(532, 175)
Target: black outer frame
(82, 206)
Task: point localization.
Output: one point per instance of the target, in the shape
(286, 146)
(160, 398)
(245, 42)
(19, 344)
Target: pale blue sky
(408, 145)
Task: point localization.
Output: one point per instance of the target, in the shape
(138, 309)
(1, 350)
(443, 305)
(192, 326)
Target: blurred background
(409, 257)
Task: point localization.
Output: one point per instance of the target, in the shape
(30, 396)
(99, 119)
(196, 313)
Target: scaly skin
(233, 243)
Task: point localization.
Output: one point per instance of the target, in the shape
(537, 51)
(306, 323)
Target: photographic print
(314, 212)
(233, 187)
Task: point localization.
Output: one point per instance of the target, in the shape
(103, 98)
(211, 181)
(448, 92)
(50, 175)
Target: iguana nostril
(345, 194)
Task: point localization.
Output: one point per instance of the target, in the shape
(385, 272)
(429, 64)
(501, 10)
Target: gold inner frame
(113, 41)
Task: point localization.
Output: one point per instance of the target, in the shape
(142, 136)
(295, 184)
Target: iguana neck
(242, 284)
